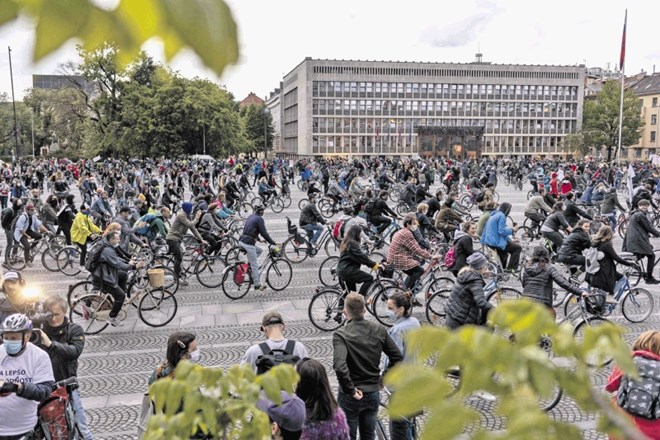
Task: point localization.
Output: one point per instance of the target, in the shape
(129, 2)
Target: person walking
(357, 347)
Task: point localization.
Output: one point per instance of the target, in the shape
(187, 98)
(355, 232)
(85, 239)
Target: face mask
(194, 356)
(13, 347)
(413, 228)
(391, 314)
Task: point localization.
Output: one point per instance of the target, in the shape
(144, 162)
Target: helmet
(595, 302)
(17, 323)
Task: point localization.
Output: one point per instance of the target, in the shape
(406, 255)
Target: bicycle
(53, 422)
(47, 244)
(237, 278)
(411, 423)
(273, 202)
(156, 308)
(328, 268)
(297, 247)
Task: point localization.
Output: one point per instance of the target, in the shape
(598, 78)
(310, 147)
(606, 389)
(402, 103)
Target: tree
(576, 144)
(256, 119)
(205, 26)
(601, 118)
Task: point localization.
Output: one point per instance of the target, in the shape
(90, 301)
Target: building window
(654, 102)
(654, 119)
(653, 136)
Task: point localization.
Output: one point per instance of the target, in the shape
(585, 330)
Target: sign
(96, 159)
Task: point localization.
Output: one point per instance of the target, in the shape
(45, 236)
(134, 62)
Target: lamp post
(11, 75)
(266, 113)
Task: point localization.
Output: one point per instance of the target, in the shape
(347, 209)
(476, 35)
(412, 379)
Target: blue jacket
(496, 234)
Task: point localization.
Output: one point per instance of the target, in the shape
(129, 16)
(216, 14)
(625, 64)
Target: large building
(381, 108)
(648, 91)
(55, 82)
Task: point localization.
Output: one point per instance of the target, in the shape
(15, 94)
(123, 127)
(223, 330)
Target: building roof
(648, 85)
(251, 99)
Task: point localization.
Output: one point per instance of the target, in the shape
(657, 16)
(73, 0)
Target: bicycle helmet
(595, 302)
(17, 323)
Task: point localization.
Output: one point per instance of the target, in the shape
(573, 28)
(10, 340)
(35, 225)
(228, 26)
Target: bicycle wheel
(623, 227)
(578, 333)
(209, 270)
(91, 312)
(503, 294)
(379, 305)
(286, 200)
(231, 286)
(634, 274)
(466, 202)
(15, 257)
(328, 272)
(546, 403)
(302, 203)
(438, 284)
(79, 290)
(435, 307)
(331, 246)
(326, 208)
(525, 234)
(233, 255)
(278, 274)
(296, 249)
(637, 305)
(171, 281)
(277, 206)
(68, 261)
(325, 310)
(157, 307)
(49, 261)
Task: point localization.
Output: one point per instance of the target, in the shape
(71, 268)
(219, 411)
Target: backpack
(450, 257)
(640, 397)
(480, 196)
(592, 255)
(143, 225)
(7, 217)
(337, 229)
(272, 358)
(94, 257)
(52, 413)
(12, 226)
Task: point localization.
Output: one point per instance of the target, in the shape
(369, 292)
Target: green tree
(258, 123)
(576, 144)
(601, 118)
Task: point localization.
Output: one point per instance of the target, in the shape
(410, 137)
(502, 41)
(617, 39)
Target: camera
(38, 318)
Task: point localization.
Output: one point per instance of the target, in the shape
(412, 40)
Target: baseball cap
(272, 317)
(289, 415)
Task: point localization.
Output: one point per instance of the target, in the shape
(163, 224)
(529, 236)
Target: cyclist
(311, 219)
(175, 235)
(578, 240)
(467, 303)
(404, 251)
(211, 229)
(28, 226)
(637, 239)
(498, 237)
(376, 215)
(447, 221)
(484, 217)
(49, 213)
(607, 208)
(255, 227)
(434, 203)
(27, 378)
(463, 245)
(111, 274)
(537, 209)
(552, 225)
(571, 212)
(351, 257)
(265, 190)
(606, 277)
(101, 209)
(336, 193)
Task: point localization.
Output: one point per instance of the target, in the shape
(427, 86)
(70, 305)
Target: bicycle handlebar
(71, 381)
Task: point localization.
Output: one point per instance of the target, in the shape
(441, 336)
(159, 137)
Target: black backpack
(369, 206)
(94, 257)
(271, 358)
(480, 196)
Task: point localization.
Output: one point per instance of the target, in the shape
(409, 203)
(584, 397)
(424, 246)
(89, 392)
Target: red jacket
(650, 428)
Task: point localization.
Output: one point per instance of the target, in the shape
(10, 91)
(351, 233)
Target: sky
(276, 35)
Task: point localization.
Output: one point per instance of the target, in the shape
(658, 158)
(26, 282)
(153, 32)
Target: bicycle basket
(595, 302)
(53, 415)
(156, 278)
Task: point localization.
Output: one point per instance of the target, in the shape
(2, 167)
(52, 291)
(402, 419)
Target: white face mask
(413, 228)
(194, 356)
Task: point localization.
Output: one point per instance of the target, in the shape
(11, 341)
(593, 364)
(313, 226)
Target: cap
(289, 415)
(29, 206)
(187, 207)
(272, 317)
(477, 260)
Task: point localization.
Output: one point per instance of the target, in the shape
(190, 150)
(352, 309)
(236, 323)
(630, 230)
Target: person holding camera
(64, 342)
(26, 378)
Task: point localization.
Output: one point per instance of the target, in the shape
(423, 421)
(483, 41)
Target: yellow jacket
(82, 228)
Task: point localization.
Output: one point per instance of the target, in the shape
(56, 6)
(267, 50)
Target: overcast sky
(276, 35)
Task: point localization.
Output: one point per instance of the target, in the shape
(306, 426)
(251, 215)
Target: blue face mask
(391, 315)
(12, 347)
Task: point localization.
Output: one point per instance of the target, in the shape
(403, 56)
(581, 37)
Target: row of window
(348, 106)
(473, 73)
(444, 89)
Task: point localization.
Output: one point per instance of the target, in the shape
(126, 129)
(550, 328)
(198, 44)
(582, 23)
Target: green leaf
(214, 37)
(271, 387)
(59, 21)
(8, 11)
(419, 388)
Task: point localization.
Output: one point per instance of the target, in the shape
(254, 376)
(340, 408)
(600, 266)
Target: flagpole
(622, 65)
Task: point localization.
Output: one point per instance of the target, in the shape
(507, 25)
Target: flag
(631, 174)
(622, 58)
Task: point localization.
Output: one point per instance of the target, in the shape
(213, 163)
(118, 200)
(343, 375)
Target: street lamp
(266, 113)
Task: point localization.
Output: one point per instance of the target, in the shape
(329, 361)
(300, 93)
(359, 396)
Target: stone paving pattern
(116, 364)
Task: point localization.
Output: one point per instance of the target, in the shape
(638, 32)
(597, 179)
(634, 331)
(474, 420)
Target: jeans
(361, 413)
(316, 229)
(612, 217)
(3, 201)
(81, 419)
(253, 253)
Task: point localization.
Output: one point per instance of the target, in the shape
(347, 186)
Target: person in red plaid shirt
(404, 252)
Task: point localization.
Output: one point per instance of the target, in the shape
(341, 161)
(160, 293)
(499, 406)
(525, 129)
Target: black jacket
(352, 258)
(611, 201)
(463, 246)
(574, 244)
(607, 276)
(434, 206)
(537, 283)
(310, 215)
(357, 347)
(68, 342)
(572, 213)
(637, 235)
(381, 207)
(467, 298)
(555, 221)
(109, 264)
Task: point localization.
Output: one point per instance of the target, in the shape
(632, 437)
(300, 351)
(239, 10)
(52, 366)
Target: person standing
(64, 342)
(82, 230)
(357, 347)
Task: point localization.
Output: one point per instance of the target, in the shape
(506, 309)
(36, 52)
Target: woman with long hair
(180, 345)
(351, 258)
(606, 277)
(324, 419)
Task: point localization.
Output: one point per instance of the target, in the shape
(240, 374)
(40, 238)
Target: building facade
(55, 82)
(274, 106)
(378, 108)
(648, 91)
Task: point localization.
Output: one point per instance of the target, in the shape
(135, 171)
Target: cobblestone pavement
(116, 364)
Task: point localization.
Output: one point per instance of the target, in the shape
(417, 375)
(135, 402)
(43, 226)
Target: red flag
(622, 58)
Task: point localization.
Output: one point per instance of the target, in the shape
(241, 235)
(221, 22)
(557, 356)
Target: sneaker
(183, 283)
(611, 300)
(651, 280)
(416, 302)
(114, 322)
(260, 287)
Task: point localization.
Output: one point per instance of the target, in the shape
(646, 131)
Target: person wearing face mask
(49, 213)
(26, 378)
(64, 342)
(83, 230)
(180, 345)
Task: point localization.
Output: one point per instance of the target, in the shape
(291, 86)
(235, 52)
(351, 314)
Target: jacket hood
(468, 276)
(534, 270)
(458, 234)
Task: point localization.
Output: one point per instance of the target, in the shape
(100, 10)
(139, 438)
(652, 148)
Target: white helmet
(17, 323)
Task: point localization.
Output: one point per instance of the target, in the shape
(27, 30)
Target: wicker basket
(156, 278)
